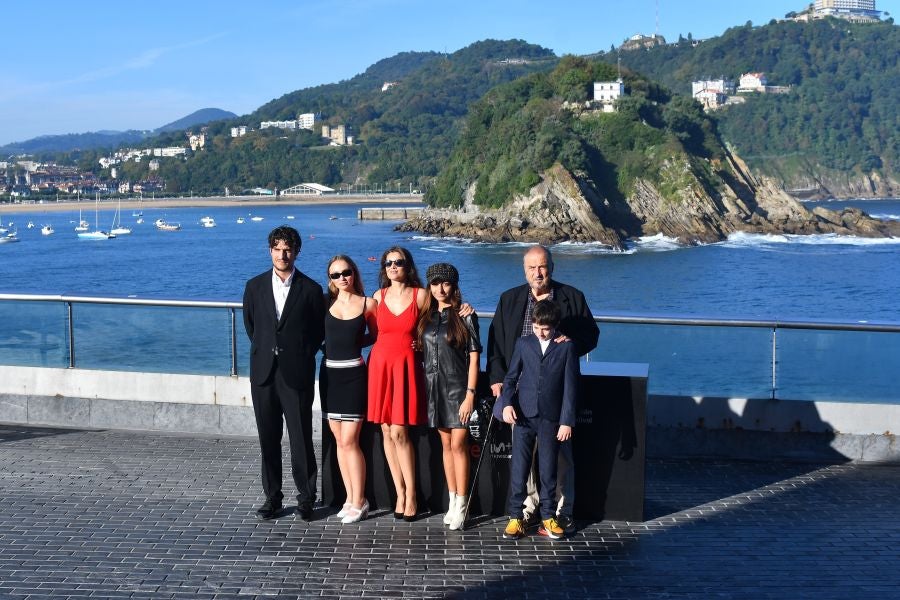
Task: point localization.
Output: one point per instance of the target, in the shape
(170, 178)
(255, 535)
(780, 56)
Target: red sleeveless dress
(396, 383)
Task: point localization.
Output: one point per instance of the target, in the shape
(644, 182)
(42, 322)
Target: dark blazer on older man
(543, 385)
(282, 377)
(577, 323)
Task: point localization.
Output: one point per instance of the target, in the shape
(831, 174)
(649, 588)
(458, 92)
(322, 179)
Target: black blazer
(577, 323)
(541, 385)
(296, 337)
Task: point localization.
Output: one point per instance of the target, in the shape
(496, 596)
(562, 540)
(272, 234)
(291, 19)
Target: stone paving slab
(117, 514)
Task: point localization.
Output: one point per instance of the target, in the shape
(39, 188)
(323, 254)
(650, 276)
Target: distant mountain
(71, 142)
(200, 117)
(403, 135)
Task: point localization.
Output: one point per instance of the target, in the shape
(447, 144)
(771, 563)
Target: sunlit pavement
(115, 514)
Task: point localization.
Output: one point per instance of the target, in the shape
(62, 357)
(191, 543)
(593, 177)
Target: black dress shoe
(269, 510)
(305, 512)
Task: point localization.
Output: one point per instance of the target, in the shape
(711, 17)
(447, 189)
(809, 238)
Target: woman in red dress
(396, 384)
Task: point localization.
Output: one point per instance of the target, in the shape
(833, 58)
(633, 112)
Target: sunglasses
(400, 262)
(346, 274)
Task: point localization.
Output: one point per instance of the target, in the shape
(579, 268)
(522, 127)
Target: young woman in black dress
(343, 381)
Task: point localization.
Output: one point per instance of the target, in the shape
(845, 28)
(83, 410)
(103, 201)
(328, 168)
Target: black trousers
(274, 404)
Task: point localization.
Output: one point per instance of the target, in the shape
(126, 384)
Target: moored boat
(164, 225)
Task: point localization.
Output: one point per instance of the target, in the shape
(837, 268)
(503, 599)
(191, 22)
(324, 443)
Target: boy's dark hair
(286, 234)
(546, 312)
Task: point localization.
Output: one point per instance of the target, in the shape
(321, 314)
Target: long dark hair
(457, 333)
(412, 275)
(357, 280)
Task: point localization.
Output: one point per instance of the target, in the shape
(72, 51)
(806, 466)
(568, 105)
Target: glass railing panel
(708, 361)
(158, 339)
(34, 334)
(243, 345)
(839, 366)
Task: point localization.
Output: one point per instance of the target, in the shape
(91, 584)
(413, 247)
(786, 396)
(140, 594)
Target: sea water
(766, 277)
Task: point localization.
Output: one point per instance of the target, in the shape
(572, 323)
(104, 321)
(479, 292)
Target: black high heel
(398, 515)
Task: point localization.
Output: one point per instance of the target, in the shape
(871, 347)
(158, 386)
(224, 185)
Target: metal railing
(621, 325)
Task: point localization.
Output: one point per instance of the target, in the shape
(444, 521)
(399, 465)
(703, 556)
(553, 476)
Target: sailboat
(82, 224)
(47, 230)
(140, 210)
(96, 234)
(117, 227)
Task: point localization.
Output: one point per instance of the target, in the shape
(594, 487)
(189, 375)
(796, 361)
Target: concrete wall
(772, 429)
(126, 400)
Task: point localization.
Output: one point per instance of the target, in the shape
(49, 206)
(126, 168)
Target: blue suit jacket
(541, 385)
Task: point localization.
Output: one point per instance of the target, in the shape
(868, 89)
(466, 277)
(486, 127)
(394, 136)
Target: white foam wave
(584, 248)
(755, 240)
(886, 217)
(655, 243)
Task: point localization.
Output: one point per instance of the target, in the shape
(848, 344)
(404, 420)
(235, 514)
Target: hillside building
(752, 82)
(720, 85)
(197, 141)
(640, 41)
(278, 124)
(861, 11)
(239, 131)
(388, 85)
(169, 151)
(337, 134)
(308, 120)
(607, 92)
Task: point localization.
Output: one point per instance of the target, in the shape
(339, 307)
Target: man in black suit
(512, 320)
(284, 315)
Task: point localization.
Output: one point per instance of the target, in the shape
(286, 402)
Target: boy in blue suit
(538, 397)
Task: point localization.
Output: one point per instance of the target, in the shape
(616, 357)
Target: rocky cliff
(693, 209)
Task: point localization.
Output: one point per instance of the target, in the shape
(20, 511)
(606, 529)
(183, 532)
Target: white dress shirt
(280, 290)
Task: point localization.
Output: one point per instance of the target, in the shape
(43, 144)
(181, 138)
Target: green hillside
(403, 136)
(842, 114)
(520, 129)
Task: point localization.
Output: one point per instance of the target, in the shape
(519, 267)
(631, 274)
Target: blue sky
(71, 67)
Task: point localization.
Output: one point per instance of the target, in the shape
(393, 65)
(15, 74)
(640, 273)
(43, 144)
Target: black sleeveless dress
(343, 384)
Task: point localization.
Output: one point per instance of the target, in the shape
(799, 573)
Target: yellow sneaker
(551, 529)
(514, 529)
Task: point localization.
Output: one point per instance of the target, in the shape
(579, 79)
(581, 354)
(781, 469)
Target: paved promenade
(113, 514)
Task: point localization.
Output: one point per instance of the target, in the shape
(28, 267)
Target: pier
(389, 214)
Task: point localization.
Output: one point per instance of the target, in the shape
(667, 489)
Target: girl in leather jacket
(451, 348)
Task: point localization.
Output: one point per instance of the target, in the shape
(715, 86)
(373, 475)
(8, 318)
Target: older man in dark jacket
(512, 320)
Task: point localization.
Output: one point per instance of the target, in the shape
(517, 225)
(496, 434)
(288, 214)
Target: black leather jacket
(446, 369)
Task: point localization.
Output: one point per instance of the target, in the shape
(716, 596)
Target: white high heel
(343, 512)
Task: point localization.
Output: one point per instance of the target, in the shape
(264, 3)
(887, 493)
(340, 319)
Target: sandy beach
(211, 201)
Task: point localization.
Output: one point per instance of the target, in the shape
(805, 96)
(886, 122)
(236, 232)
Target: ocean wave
(655, 243)
(886, 217)
(757, 240)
